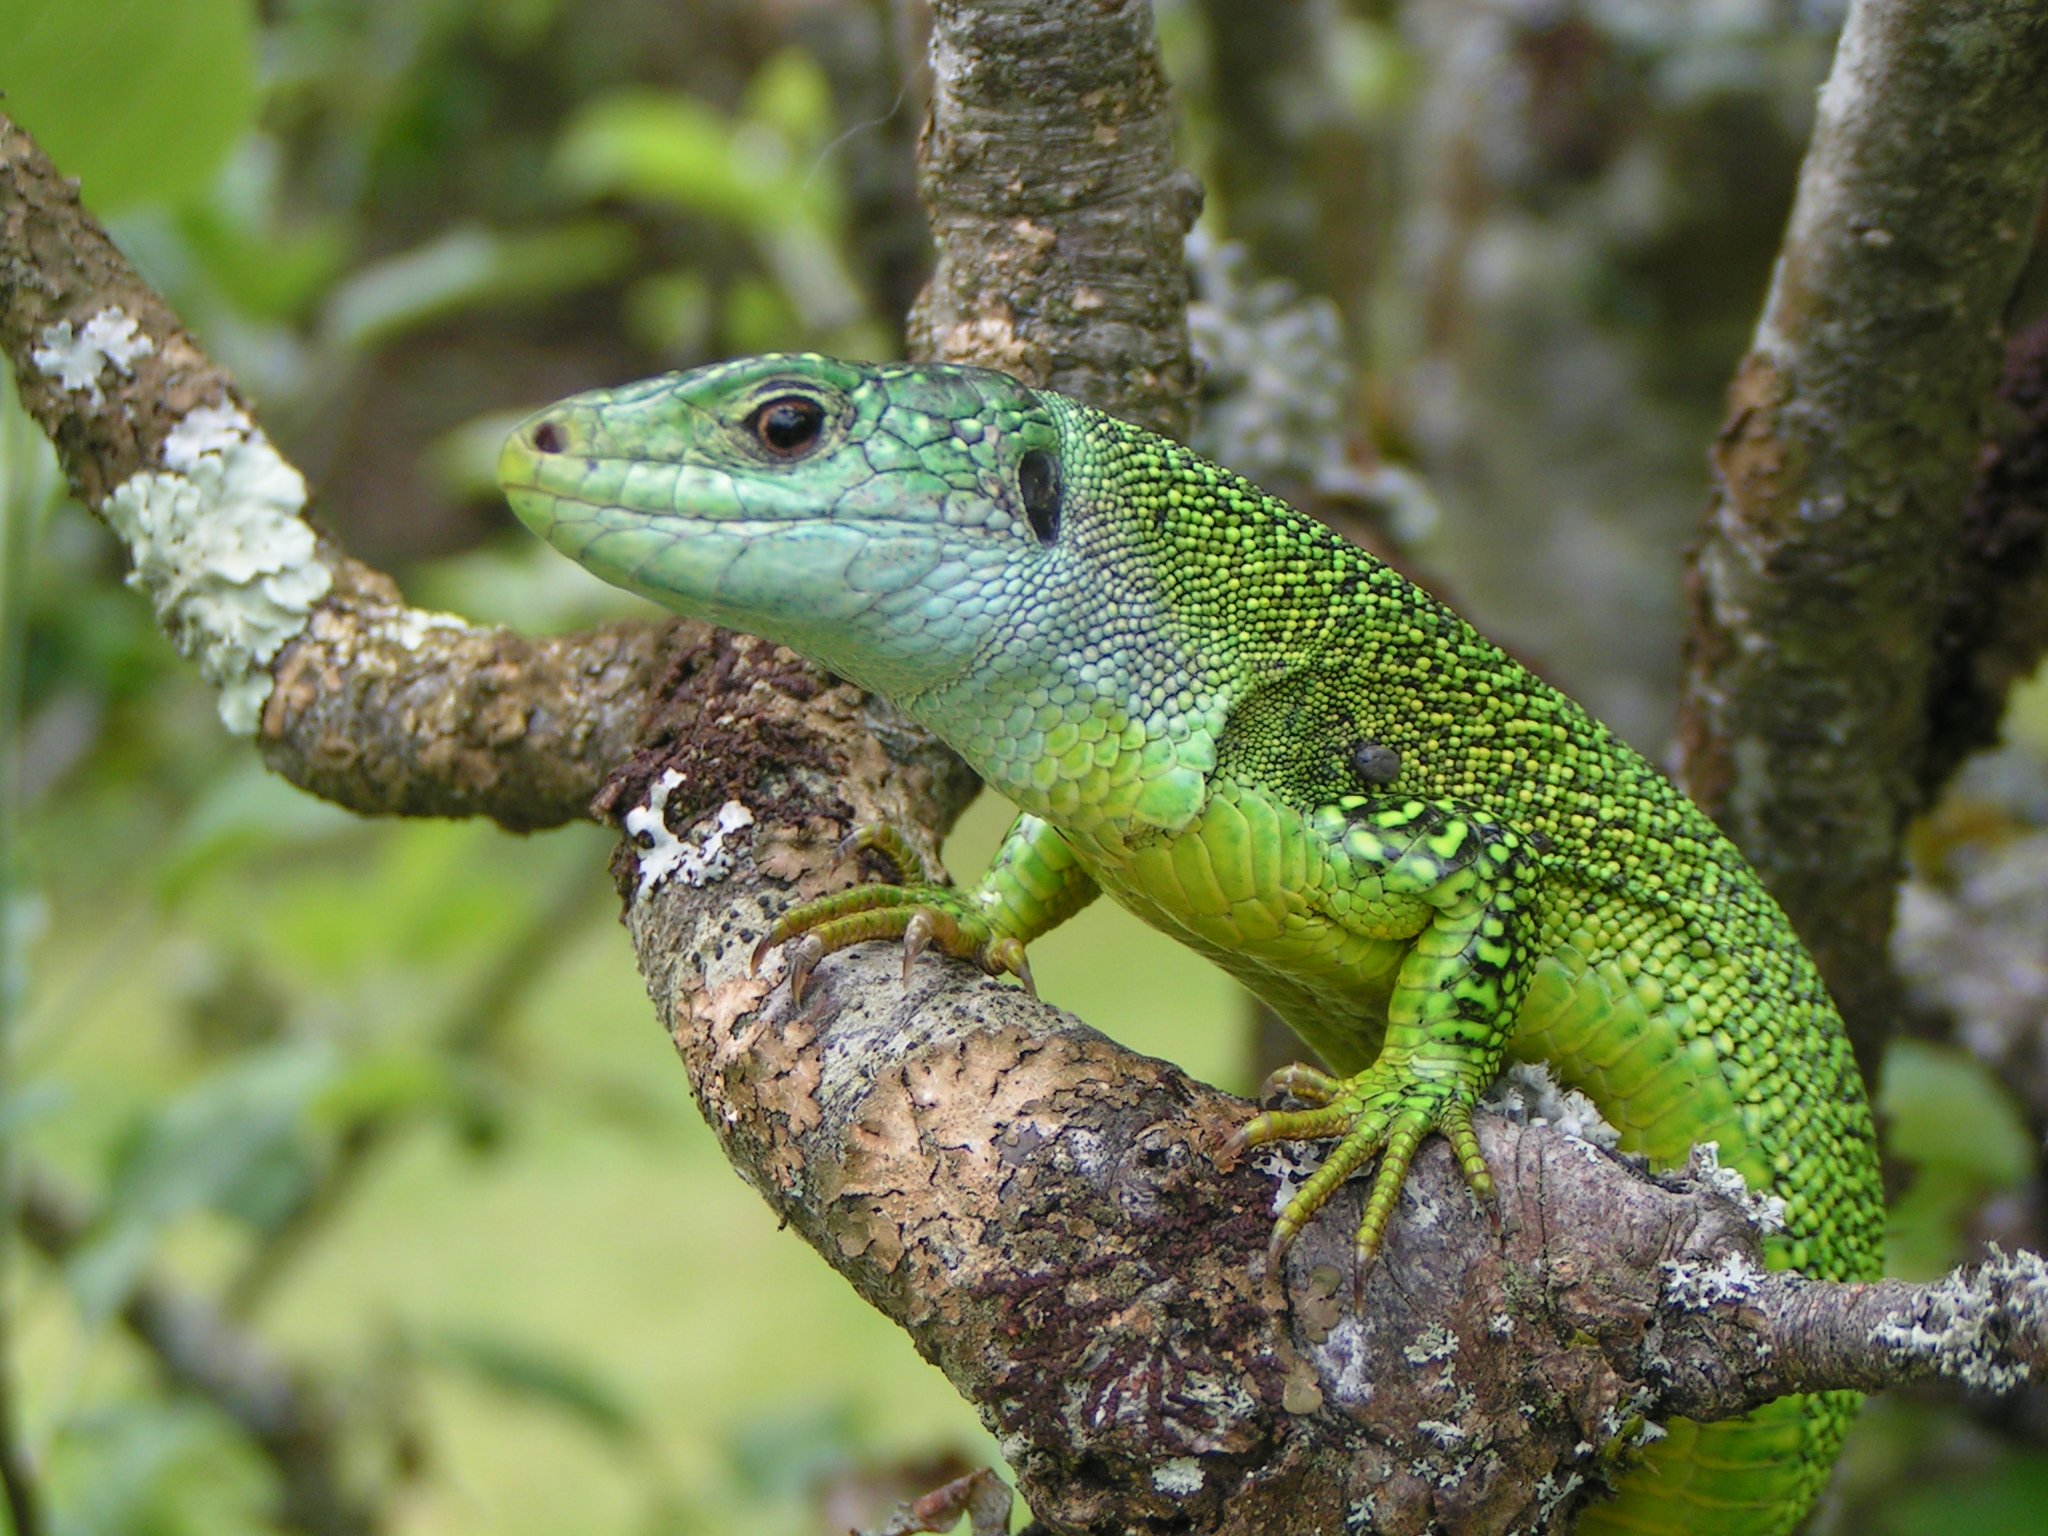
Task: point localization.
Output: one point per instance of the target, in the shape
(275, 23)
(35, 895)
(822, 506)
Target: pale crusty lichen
(1182, 1477)
(1699, 1286)
(1764, 1209)
(220, 547)
(1968, 1320)
(1529, 1094)
(409, 628)
(664, 856)
(76, 358)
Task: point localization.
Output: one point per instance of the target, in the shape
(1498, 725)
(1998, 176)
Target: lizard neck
(1107, 749)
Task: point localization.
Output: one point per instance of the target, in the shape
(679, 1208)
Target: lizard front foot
(919, 908)
(1386, 1110)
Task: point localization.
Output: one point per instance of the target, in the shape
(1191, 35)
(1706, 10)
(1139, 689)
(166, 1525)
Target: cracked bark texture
(1832, 540)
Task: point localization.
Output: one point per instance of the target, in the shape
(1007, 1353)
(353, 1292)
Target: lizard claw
(908, 863)
(1380, 1114)
(921, 909)
(917, 937)
(1301, 1082)
(1007, 955)
(803, 959)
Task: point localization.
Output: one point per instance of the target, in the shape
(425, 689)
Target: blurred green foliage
(387, 1097)
(759, 170)
(138, 100)
(1950, 1121)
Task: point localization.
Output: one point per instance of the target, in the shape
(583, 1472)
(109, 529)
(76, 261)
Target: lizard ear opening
(1038, 482)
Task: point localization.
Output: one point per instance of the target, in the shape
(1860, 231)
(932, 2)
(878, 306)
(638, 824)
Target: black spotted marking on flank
(1038, 482)
(1375, 763)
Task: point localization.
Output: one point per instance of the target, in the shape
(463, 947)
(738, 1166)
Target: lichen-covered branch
(1057, 206)
(1045, 1214)
(1840, 474)
(349, 692)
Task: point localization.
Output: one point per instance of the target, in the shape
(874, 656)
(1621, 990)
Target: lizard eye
(1038, 482)
(788, 426)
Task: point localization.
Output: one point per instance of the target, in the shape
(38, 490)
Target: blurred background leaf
(137, 99)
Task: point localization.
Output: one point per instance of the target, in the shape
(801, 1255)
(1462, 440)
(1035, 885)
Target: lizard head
(889, 521)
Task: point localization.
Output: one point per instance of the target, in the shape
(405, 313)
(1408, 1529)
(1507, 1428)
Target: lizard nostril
(549, 438)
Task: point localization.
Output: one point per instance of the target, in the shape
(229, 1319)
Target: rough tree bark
(1037, 1206)
(1834, 538)
(1062, 265)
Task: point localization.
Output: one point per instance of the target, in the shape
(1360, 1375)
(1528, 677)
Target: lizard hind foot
(1382, 1112)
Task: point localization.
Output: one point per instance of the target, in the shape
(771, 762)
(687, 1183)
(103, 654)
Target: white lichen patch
(1084, 1152)
(1690, 1286)
(1421, 1212)
(1968, 1320)
(1433, 1343)
(1292, 1164)
(1765, 1210)
(1349, 1357)
(1179, 1478)
(704, 857)
(1551, 1492)
(220, 548)
(408, 628)
(1441, 1433)
(1530, 1095)
(77, 358)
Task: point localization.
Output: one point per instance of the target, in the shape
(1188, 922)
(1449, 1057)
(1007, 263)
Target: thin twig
(371, 704)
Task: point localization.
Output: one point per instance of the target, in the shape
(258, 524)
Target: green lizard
(1273, 747)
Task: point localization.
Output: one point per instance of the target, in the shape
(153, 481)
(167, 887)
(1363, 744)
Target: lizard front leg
(1032, 885)
(1462, 887)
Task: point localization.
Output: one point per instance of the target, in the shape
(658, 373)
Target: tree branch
(1994, 631)
(1057, 206)
(1041, 1210)
(1840, 474)
(355, 697)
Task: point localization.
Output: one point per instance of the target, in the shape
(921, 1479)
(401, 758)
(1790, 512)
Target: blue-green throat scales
(1270, 745)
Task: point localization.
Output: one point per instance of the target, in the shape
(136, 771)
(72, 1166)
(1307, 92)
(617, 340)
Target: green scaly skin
(1268, 744)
